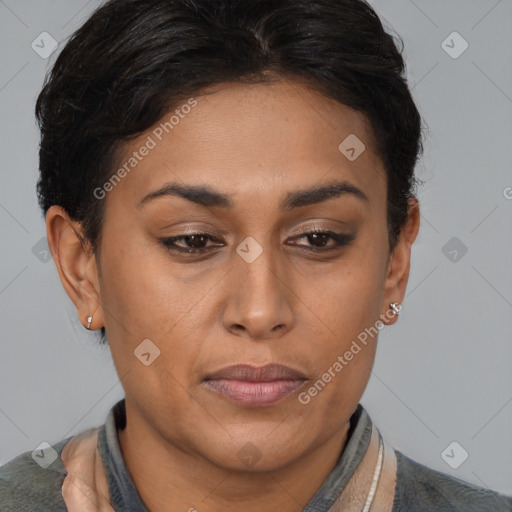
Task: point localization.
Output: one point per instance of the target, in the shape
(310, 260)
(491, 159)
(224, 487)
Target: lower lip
(254, 394)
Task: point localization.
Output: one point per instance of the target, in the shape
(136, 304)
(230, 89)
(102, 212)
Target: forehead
(268, 137)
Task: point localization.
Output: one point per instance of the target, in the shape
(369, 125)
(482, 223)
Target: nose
(258, 303)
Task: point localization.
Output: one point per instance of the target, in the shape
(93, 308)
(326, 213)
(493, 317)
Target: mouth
(252, 386)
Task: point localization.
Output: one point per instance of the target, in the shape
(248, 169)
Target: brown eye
(191, 243)
(318, 240)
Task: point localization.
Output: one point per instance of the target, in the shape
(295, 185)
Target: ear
(76, 265)
(400, 263)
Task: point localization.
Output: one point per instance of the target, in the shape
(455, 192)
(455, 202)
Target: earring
(396, 307)
(89, 320)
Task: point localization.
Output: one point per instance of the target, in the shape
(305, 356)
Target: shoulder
(420, 488)
(32, 481)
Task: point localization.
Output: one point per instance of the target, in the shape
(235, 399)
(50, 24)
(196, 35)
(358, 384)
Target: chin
(256, 452)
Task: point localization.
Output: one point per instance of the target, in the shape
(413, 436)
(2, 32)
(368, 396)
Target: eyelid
(309, 229)
(178, 230)
(319, 227)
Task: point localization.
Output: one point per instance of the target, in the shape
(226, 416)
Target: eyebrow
(206, 196)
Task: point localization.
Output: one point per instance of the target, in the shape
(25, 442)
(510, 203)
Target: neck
(173, 478)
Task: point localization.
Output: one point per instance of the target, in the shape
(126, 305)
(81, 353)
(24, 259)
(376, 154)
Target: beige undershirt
(353, 497)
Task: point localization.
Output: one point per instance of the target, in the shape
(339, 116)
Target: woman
(229, 197)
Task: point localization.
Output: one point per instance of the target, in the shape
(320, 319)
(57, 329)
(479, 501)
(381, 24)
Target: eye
(319, 240)
(197, 243)
(192, 243)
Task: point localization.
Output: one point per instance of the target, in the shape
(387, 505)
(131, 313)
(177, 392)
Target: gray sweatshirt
(25, 486)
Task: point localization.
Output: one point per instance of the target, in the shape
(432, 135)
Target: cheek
(142, 291)
(348, 339)
(146, 296)
(348, 301)
(347, 298)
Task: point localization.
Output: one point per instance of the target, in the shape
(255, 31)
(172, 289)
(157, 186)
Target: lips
(250, 373)
(252, 386)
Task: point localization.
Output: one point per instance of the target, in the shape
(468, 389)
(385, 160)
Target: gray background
(442, 373)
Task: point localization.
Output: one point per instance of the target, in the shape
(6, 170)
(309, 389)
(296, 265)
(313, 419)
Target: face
(228, 270)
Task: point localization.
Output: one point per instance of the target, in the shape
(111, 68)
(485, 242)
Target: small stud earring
(396, 307)
(89, 320)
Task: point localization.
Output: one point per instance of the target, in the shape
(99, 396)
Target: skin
(303, 309)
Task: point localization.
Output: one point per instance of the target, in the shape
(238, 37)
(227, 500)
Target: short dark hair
(132, 61)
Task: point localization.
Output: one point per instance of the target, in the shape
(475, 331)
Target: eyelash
(341, 240)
